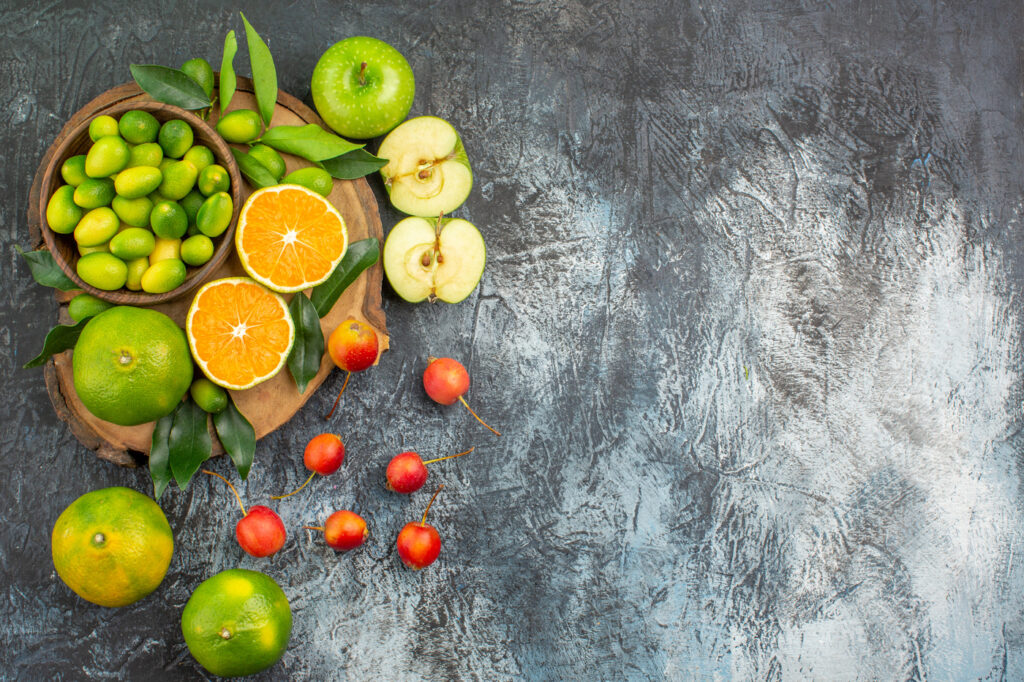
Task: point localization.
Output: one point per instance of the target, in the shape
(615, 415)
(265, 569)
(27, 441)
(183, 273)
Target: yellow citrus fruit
(239, 331)
(237, 622)
(112, 546)
(131, 365)
(290, 238)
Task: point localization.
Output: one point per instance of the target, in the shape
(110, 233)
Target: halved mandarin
(289, 238)
(239, 331)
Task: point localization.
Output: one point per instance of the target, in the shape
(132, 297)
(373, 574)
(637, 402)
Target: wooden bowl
(63, 246)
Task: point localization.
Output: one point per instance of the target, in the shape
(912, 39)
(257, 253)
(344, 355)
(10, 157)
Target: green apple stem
(362, 73)
(423, 521)
(281, 497)
(335, 405)
(441, 459)
(237, 496)
(493, 430)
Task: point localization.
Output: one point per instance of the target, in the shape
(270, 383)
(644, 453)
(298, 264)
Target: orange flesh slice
(240, 332)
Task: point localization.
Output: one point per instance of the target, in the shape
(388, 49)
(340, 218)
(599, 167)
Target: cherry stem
(493, 430)
(237, 496)
(281, 497)
(362, 73)
(335, 406)
(319, 528)
(423, 521)
(441, 459)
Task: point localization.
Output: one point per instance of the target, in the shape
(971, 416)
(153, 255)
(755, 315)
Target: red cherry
(324, 454)
(445, 380)
(353, 347)
(419, 544)
(260, 532)
(407, 472)
(345, 530)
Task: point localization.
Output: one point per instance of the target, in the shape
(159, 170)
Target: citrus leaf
(254, 171)
(170, 86)
(59, 339)
(227, 71)
(237, 436)
(264, 75)
(310, 141)
(360, 255)
(189, 442)
(354, 164)
(308, 349)
(45, 270)
(159, 453)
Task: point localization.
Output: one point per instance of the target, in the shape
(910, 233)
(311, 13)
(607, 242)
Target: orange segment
(290, 238)
(239, 331)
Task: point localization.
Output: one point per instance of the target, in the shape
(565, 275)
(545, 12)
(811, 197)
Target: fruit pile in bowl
(140, 202)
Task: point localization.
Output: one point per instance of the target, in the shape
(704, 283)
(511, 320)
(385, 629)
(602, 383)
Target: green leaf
(45, 270)
(308, 349)
(264, 75)
(189, 442)
(310, 141)
(237, 436)
(360, 255)
(227, 71)
(59, 339)
(159, 455)
(170, 86)
(254, 171)
(354, 164)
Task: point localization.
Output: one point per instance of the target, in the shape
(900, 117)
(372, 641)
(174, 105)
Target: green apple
(362, 87)
(440, 260)
(428, 171)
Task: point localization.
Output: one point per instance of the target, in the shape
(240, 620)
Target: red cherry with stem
(323, 455)
(260, 532)
(353, 347)
(343, 530)
(419, 544)
(445, 381)
(407, 472)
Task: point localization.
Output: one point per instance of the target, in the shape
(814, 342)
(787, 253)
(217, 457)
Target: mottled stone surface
(750, 326)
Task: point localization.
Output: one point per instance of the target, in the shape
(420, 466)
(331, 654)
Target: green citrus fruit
(209, 396)
(215, 214)
(62, 213)
(237, 622)
(86, 305)
(201, 72)
(269, 158)
(131, 365)
(163, 276)
(137, 181)
(240, 126)
(146, 154)
(197, 249)
(132, 243)
(138, 127)
(73, 170)
(108, 155)
(315, 179)
(213, 179)
(136, 269)
(175, 137)
(168, 220)
(199, 156)
(134, 212)
(94, 192)
(102, 126)
(112, 546)
(179, 178)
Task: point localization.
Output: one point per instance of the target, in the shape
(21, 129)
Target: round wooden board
(272, 403)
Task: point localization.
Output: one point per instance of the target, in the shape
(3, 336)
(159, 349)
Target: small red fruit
(345, 530)
(323, 455)
(445, 381)
(407, 472)
(260, 531)
(353, 347)
(419, 544)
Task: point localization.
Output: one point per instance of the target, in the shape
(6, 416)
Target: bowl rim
(223, 156)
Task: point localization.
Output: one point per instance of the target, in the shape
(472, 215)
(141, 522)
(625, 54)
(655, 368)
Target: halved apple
(428, 171)
(440, 260)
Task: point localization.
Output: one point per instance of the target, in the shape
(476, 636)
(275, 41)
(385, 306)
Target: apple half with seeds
(440, 260)
(428, 171)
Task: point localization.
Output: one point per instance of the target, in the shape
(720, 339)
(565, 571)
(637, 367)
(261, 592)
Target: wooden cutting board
(272, 403)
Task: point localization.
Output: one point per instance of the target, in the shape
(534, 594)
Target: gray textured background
(750, 326)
